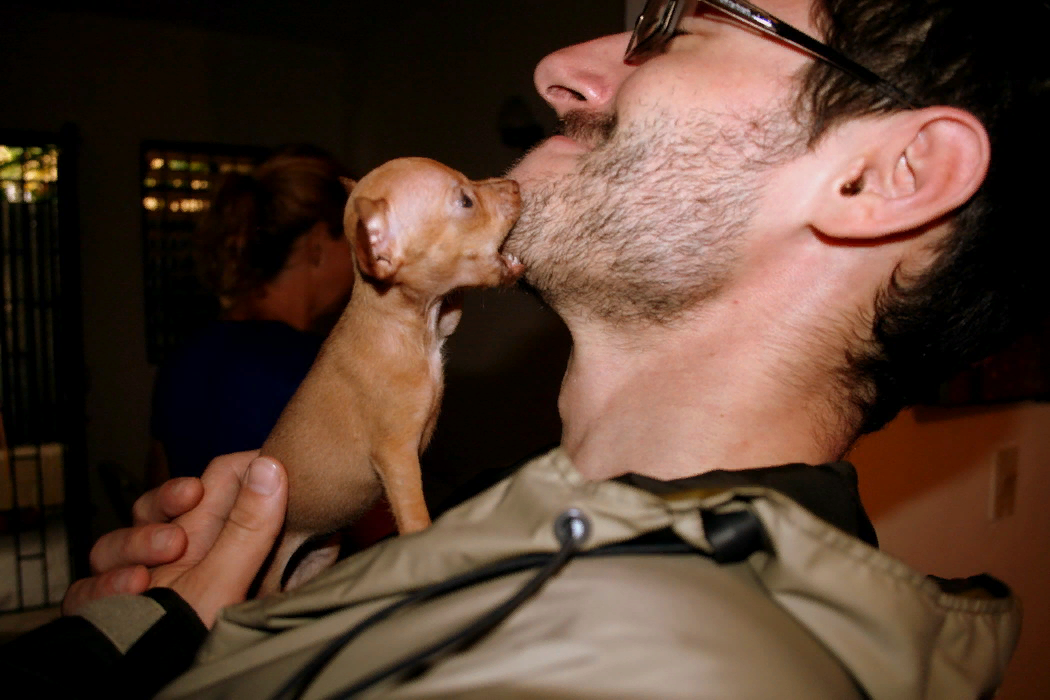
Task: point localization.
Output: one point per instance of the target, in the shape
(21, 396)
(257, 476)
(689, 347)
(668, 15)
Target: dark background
(369, 81)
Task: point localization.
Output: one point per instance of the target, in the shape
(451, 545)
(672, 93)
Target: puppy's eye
(465, 201)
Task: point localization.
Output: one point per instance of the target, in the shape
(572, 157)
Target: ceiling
(321, 22)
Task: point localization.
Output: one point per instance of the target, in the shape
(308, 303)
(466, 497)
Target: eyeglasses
(658, 24)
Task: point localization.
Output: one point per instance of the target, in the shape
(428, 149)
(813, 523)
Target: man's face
(638, 210)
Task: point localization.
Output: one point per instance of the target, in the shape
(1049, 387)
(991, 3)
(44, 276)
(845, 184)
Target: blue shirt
(224, 390)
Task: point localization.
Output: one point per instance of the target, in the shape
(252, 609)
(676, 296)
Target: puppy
(359, 421)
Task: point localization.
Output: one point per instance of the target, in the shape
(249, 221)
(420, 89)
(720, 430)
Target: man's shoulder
(659, 596)
(643, 626)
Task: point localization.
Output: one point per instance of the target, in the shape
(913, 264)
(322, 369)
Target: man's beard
(646, 227)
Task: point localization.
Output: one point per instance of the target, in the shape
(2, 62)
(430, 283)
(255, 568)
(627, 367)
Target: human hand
(230, 533)
(119, 559)
(227, 535)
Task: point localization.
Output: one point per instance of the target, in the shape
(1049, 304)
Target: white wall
(926, 482)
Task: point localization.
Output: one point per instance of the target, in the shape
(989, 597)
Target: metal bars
(34, 430)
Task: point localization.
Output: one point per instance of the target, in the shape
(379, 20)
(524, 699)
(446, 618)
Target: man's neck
(690, 401)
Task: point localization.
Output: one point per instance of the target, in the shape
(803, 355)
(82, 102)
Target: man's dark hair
(991, 61)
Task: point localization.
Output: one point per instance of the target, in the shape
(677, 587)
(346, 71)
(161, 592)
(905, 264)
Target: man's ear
(348, 184)
(906, 170)
(375, 240)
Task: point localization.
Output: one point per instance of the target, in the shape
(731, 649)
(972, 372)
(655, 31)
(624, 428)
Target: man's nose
(585, 76)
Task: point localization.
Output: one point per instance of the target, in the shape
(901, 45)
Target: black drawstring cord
(296, 685)
(571, 528)
(734, 536)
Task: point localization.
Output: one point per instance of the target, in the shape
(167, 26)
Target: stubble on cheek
(646, 226)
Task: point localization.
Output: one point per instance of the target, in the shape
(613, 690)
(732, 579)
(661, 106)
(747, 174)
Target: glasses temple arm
(774, 27)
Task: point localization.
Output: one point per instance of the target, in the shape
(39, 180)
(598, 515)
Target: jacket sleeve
(120, 647)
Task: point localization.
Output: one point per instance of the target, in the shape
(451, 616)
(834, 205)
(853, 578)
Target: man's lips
(556, 147)
(557, 154)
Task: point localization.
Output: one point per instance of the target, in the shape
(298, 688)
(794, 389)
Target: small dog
(359, 421)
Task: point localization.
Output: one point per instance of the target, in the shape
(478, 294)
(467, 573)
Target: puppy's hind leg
(318, 556)
(403, 483)
(295, 560)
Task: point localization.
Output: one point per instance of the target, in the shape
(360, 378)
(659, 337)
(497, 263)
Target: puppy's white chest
(441, 324)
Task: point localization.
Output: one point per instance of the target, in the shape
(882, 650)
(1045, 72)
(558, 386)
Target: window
(178, 181)
(39, 342)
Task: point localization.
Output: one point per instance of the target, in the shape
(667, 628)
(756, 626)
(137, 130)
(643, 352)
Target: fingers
(132, 580)
(150, 545)
(225, 573)
(222, 483)
(202, 509)
(168, 501)
(221, 468)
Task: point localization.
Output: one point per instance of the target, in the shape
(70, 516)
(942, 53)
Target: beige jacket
(815, 614)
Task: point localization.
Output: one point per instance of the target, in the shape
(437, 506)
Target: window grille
(42, 479)
(178, 181)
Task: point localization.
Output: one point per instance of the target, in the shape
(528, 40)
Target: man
(759, 256)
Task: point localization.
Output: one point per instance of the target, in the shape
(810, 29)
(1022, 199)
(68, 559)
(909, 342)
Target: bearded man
(762, 248)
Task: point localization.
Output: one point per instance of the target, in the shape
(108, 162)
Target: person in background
(271, 248)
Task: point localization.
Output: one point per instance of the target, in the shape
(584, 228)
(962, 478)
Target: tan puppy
(368, 406)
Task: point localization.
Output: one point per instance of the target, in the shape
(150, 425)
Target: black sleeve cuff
(166, 649)
(68, 656)
(59, 659)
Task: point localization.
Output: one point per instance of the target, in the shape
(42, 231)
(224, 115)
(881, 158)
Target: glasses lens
(652, 28)
(647, 27)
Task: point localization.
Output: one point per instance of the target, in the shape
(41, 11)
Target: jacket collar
(828, 491)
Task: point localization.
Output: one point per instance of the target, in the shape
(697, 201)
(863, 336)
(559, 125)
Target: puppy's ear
(348, 184)
(375, 240)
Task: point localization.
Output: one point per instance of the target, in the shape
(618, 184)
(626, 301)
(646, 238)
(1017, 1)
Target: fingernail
(163, 538)
(263, 476)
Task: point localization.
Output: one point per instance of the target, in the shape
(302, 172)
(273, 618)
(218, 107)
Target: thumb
(226, 572)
